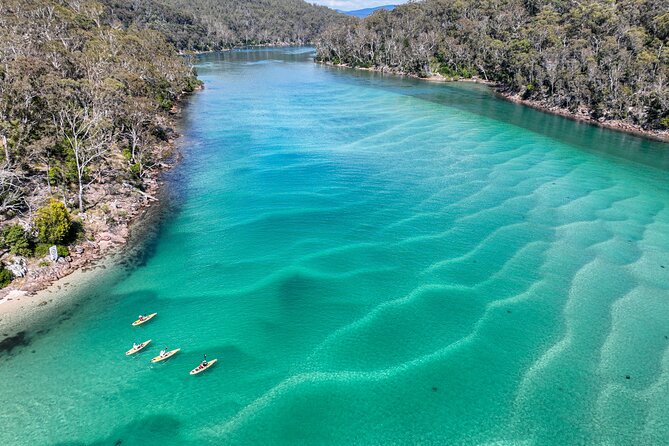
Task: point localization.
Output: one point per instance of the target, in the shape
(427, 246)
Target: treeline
(82, 104)
(608, 59)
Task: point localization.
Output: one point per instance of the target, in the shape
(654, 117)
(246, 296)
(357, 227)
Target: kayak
(167, 355)
(199, 369)
(146, 319)
(139, 347)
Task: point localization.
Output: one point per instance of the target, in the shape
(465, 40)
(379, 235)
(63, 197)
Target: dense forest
(260, 22)
(201, 25)
(83, 107)
(605, 59)
(181, 29)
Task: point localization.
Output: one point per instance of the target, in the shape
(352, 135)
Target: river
(372, 260)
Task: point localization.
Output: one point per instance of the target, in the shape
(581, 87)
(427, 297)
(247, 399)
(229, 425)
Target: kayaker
(204, 362)
(135, 345)
(141, 317)
(163, 352)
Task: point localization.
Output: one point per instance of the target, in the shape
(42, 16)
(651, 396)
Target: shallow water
(373, 260)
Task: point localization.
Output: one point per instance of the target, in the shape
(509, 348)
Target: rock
(18, 268)
(78, 249)
(68, 259)
(105, 245)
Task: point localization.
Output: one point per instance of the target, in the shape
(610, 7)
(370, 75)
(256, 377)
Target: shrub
(53, 223)
(6, 276)
(665, 122)
(42, 249)
(17, 240)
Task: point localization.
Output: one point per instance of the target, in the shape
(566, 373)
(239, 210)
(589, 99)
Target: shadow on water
(8, 344)
(154, 429)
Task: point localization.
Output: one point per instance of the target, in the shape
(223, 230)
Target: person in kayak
(163, 352)
(135, 345)
(204, 362)
(140, 318)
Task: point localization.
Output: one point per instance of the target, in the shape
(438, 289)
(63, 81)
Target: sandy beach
(21, 309)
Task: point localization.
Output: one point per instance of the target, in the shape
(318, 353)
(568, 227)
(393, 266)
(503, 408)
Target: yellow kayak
(144, 319)
(139, 347)
(200, 369)
(167, 355)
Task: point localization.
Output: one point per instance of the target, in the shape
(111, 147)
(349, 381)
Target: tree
(87, 137)
(53, 223)
(17, 240)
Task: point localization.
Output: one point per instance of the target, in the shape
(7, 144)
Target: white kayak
(166, 355)
(138, 348)
(144, 319)
(201, 368)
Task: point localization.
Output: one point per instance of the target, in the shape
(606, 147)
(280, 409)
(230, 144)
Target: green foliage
(55, 175)
(136, 169)
(6, 276)
(63, 251)
(42, 249)
(17, 240)
(53, 223)
(192, 84)
(665, 122)
(165, 103)
(459, 71)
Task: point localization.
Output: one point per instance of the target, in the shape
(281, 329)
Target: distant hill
(362, 13)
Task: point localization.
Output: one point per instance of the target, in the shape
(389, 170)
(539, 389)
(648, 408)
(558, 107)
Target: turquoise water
(373, 261)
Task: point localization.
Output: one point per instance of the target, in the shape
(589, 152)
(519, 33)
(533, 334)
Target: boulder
(18, 268)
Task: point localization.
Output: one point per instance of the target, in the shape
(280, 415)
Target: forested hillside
(181, 29)
(259, 22)
(203, 25)
(606, 59)
(84, 107)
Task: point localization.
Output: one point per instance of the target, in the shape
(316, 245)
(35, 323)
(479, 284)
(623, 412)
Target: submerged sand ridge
(372, 261)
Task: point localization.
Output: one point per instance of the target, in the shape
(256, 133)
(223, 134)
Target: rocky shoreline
(107, 227)
(105, 239)
(581, 115)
